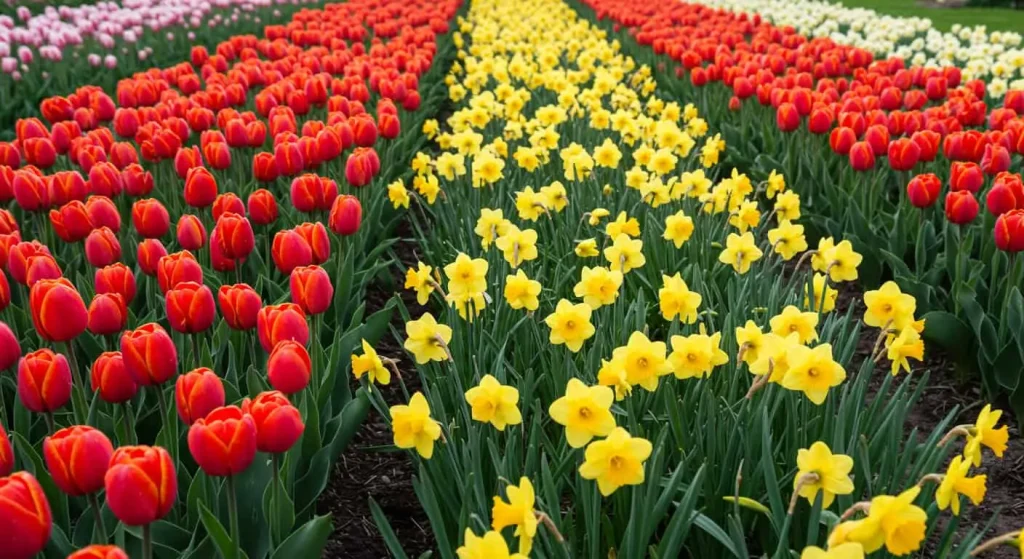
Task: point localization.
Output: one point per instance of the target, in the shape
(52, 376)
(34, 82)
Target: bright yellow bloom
(889, 308)
(841, 262)
(787, 239)
(678, 228)
(427, 187)
(787, 206)
(370, 364)
(494, 403)
(696, 355)
(773, 358)
(894, 522)
(517, 245)
(598, 286)
(813, 371)
(791, 320)
(776, 184)
(521, 291)
(491, 225)
(450, 165)
(848, 550)
(662, 162)
(692, 184)
(487, 169)
(584, 411)
(555, 197)
(430, 128)
(469, 304)
(527, 158)
(642, 360)
(530, 204)
(616, 461)
(746, 216)
(956, 483)
(596, 215)
(985, 433)
(570, 325)
(607, 155)
(466, 275)
(636, 178)
(833, 471)
(750, 340)
(713, 147)
(613, 374)
(420, 279)
(587, 248)
(398, 195)
(625, 254)
(421, 163)
(413, 427)
(517, 511)
(623, 225)
(643, 155)
(740, 252)
(676, 299)
(426, 339)
(824, 296)
(908, 345)
(489, 546)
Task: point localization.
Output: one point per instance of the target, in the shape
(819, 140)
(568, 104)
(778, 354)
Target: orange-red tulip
(176, 268)
(105, 180)
(346, 215)
(218, 155)
(26, 515)
(290, 250)
(115, 278)
(190, 307)
(58, 311)
(7, 453)
(186, 159)
(149, 354)
(111, 379)
(141, 484)
(39, 152)
(148, 254)
(137, 181)
(66, 186)
(103, 213)
(923, 190)
(18, 256)
(262, 207)
(227, 202)
(276, 323)
(107, 314)
(30, 191)
(197, 393)
(191, 232)
(311, 289)
(150, 218)
(289, 367)
(316, 237)
(278, 423)
(10, 349)
(77, 458)
(71, 222)
(200, 188)
(44, 381)
(264, 167)
(97, 551)
(102, 247)
(362, 165)
(239, 305)
(1009, 231)
(41, 267)
(224, 442)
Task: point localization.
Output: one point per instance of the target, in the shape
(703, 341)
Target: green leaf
(390, 539)
(217, 533)
(1008, 367)
(280, 513)
(983, 328)
(308, 541)
(1015, 317)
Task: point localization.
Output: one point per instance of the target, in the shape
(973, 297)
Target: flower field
(673, 279)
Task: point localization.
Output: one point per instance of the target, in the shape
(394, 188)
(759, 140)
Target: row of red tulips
(873, 143)
(95, 440)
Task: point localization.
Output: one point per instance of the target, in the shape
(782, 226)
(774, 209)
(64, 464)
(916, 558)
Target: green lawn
(944, 18)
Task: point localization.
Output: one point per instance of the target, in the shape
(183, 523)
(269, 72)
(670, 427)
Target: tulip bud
(276, 323)
(58, 311)
(264, 167)
(200, 188)
(102, 247)
(150, 218)
(197, 393)
(224, 442)
(71, 222)
(97, 551)
(103, 213)
(290, 250)
(227, 202)
(862, 157)
(111, 379)
(44, 381)
(966, 176)
(961, 207)
(239, 305)
(141, 484)
(1009, 231)
(346, 215)
(10, 349)
(190, 307)
(176, 268)
(77, 458)
(311, 289)
(278, 423)
(923, 190)
(105, 180)
(262, 207)
(26, 514)
(148, 254)
(362, 165)
(995, 160)
(107, 314)
(289, 367)
(137, 181)
(191, 232)
(186, 159)
(149, 354)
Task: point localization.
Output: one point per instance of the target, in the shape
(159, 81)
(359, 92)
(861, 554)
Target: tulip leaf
(35, 465)
(308, 541)
(217, 533)
(280, 513)
(251, 522)
(58, 545)
(1015, 317)
(983, 328)
(1008, 367)
(198, 492)
(897, 264)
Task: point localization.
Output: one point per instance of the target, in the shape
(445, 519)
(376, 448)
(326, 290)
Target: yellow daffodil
(625, 254)
(371, 365)
(623, 225)
(643, 361)
(746, 216)
(820, 470)
(607, 155)
(598, 286)
(776, 184)
(848, 550)
(773, 358)
(643, 155)
(613, 374)
(530, 204)
(792, 320)
(825, 297)
(487, 169)
(517, 246)
(676, 299)
(527, 158)
(450, 165)
(678, 228)
(421, 281)
(398, 195)
(521, 291)
(518, 511)
(895, 522)
(555, 196)
(956, 482)
(596, 215)
(900, 349)
(430, 128)
(636, 178)
(813, 371)
(985, 433)
(787, 206)
(491, 225)
(740, 252)
(413, 427)
(584, 411)
(616, 461)
(662, 162)
(426, 339)
(489, 546)
(421, 163)
(750, 340)
(888, 307)
(494, 403)
(696, 355)
(840, 262)
(570, 325)
(466, 275)
(787, 239)
(587, 248)
(692, 184)
(427, 187)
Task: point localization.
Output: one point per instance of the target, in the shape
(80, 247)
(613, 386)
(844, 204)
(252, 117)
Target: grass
(943, 18)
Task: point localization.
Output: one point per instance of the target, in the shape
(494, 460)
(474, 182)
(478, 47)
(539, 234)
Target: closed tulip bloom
(311, 289)
(227, 202)
(10, 349)
(262, 207)
(30, 191)
(115, 278)
(346, 215)
(123, 154)
(278, 423)
(150, 218)
(26, 516)
(289, 159)
(307, 193)
(186, 159)
(923, 190)
(40, 152)
(928, 142)
(107, 314)
(137, 181)
(787, 119)
(7, 453)
(18, 256)
(218, 155)
(8, 224)
(141, 484)
(239, 305)
(966, 175)
(1001, 199)
(842, 139)
(364, 130)
(224, 442)
(191, 232)
(77, 458)
(290, 250)
(264, 167)
(40, 267)
(276, 323)
(961, 207)
(190, 307)
(176, 268)
(58, 311)
(820, 121)
(148, 254)
(218, 261)
(234, 236)
(97, 551)
(149, 354)
(71, 222)
(103, 213)
(389, 126)
(200, 188)
(102, 247)
(903, 154)
(289, 367)
(44, 381)
(862, 157)
(5, 291)
(197, 393)
(105, 180)
(362, 165)
(1009, 231)
(318, 240)
(66, 186)
(995, 160)
(111, 379)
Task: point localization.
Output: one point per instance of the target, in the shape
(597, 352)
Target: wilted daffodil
(895, 522)
(421, 281)
(598, 286)
(813, 371)
(584, 411)
(521, 291)
(427, 340)
(587, 248)
(900, 349)
(625, 254)
(740, 252)
(985, 433)
(678, 228)
(371, 365)
(676, 299)
(642, 360)
(888, 307)
(413, 426)
(489, 546)
(696, 355)
(792, 320)
(494, 403)
(595, 216)
(820, 470)
(787, 239)
(518, 511)
(517, 246)
(616, 461)
(570, 324)
(956, 482)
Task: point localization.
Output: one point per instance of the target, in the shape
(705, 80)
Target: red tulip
(71, 222)
(364, 130)
(311, 289)
(346, 215)
(224, 442)
(148, 255)
(787, 119)
(278, 423)
(276, 323)
(186, 159)
(176, 268)
(137, 181)
(58, 311)
(7, 453)
(18, 258)
(961, 207)
(239, 305)
(264, 167)
(903, 154)
(200, 188)
(141, 484)
(262, 207)
(289, 159)
(107, 314)
(123, 154)
(77, 458)
(995, 160)
(842, 140)
(111, 379)
(966, 176)
(116, 278)
(289, 367)
(923, 190)
(150, 218)
(44, 381)
(218, 155)
(362, 165)
(316, 237)
(227, 202)
(102, 247)
(1009, 231)
(290, 250)
(26, 514)
(10, 349)
(149, 354)
(191, 232)
(40, 152)
(235, 237)
(65, 186)
(105, 180)
(103, 213)
(97, 551)
(862, 157)
(197, 393)
(30, 192)
(190, 307)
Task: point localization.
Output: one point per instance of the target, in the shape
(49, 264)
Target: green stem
(147, 542)
(50, 427)
(162, 402)
(233, 514)
(275, 460)
(94, 502)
